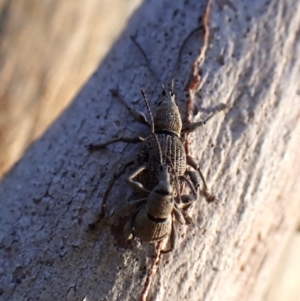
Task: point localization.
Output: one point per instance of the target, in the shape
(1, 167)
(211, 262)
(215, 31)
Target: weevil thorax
(160, 201)
(167, 118)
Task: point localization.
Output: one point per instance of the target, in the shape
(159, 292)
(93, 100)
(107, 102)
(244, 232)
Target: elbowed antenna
(135, 42)
(150, 67)
(182, 47)
(152, 126)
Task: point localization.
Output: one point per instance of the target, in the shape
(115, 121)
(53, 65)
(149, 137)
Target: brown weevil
(163, 145)
(153, 220)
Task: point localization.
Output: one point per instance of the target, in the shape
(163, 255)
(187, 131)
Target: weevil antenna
(135, 42)
(182, 47)
(152, 126)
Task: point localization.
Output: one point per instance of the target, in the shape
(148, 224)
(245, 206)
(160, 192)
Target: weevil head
(160, 201)
(167, 116)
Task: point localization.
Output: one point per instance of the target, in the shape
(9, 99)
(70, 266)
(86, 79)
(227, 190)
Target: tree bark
(249, 155)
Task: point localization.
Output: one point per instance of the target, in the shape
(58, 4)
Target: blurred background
(48, 49)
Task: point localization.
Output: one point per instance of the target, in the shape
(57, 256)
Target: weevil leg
(188, 199)
(188, 219)
(119, 171)
(188, 128)
(134, 185)
(195, 179)
(134, 139)
(137, 115)
(173, 240)
(179, 216)
(182, 216)
(128, 229)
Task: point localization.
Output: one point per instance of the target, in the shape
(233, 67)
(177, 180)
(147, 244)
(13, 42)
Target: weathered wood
(249, 155)
(48, 49)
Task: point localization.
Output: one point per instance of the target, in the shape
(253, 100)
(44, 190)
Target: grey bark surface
(249, 155)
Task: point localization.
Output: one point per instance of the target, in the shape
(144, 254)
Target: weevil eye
(163, 93)
(161, 168)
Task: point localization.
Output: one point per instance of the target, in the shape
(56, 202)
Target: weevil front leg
(137, 115)
(188, 128)
(134, 185)
(119, 171)
(195, 179)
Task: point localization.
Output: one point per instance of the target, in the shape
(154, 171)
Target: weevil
(153, 220)
(168, 129)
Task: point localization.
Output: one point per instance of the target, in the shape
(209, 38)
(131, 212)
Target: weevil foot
(210, 198)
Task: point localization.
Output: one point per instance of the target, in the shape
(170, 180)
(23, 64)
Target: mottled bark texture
(249, 154)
